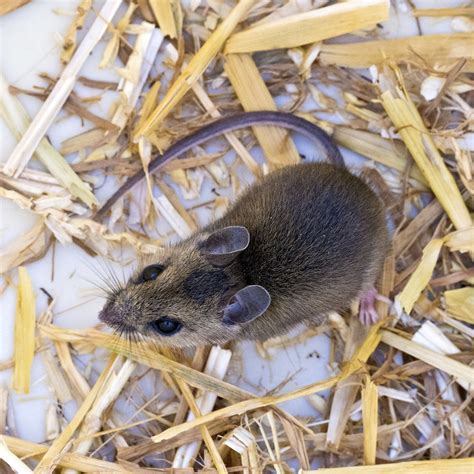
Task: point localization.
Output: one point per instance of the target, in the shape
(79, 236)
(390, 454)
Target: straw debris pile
(400, 392)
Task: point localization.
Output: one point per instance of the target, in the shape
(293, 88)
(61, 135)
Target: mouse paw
(367, 313)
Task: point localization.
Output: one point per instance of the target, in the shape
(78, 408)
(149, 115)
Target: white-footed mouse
(303, 241)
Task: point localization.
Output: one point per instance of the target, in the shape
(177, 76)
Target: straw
(309, 27)
(195, 68)
(25, 322)
(59, 94)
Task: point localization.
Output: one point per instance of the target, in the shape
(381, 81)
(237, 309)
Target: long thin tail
(225, 125)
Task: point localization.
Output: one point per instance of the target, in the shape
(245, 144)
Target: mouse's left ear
(246, 305)
(224, 245)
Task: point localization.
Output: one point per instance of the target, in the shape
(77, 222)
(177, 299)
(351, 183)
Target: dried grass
(400, 394)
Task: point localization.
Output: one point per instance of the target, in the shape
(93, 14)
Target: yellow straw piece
(421, 276)
(437, 466)
(370, 404)
(405, 116)
(24, 332)
(432, 48)
(309, 27)
(254, 95)
(165, 16)
(195, 68)
(460, 303)
(440, 361)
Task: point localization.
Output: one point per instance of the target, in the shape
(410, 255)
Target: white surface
(29, 45)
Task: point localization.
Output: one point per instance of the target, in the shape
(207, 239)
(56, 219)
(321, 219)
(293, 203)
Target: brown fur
(318, 239)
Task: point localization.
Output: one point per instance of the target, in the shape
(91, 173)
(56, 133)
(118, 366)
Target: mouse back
(318, 239)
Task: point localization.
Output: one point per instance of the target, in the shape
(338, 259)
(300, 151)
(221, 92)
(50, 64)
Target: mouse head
(194, 293)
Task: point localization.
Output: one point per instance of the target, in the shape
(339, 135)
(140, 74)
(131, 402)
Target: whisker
(113, 275)
(110, 275)
(107, 285)
(103, 292)
(107, 276)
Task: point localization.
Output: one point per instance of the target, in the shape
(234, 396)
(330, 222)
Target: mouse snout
(113, 315)
(109, 315)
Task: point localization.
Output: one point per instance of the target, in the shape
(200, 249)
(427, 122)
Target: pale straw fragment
(195, 68)
(254, 95)
(17, 119)
(309, 27)
(60, 92)
(15, 463)
(107, 395)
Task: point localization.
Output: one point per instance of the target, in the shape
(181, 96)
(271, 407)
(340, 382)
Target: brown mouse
(303, 241)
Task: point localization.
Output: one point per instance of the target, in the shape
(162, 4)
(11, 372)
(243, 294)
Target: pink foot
(367, 312)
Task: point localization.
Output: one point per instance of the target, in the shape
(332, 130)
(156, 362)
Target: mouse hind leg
(367, 312)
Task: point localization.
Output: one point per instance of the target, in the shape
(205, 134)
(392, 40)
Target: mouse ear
(224, 245)
(246, 305)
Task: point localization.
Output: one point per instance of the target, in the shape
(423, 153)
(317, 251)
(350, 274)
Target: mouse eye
(150, 273)
(166, 326)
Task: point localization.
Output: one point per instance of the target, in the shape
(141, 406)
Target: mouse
(303, 241)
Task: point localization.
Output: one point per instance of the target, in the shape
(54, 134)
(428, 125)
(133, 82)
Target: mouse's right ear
(225, 244)
(246, 305)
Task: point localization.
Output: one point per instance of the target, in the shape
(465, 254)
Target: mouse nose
(108, 314)
(113, 317)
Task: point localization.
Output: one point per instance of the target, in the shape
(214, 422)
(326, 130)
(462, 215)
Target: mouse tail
(320, 139)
